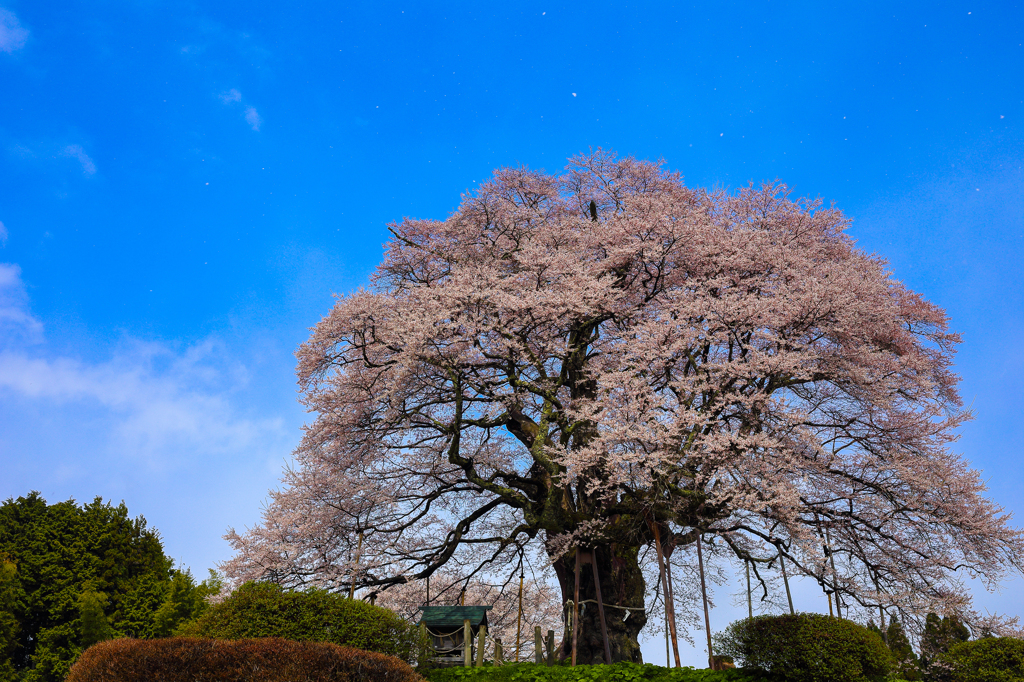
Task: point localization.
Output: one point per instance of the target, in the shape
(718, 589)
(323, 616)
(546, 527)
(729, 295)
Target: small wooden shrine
(452, 632)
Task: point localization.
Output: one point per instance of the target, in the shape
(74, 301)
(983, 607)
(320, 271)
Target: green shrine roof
(452, 617)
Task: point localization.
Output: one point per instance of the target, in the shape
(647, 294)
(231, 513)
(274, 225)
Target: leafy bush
(618, 672)
(807, 647)
(257, 610)
(246, 660)
(992, 659)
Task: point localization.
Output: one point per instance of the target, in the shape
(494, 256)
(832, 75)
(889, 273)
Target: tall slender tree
(576, 360)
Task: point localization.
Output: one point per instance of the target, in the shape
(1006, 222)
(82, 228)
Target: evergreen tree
(93, 622)
(185, 601)
(906, 666)
(875, 629)
(10, 603)
(939, 637)
(77, 574)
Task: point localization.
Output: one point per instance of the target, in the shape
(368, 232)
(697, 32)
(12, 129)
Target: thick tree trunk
(622, 585)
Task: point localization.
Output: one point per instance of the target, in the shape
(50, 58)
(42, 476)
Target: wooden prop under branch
(669, 604)
(576, 611)
(704, 596)
(589, 557)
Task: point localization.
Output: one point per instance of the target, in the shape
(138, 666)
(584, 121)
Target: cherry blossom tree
(576, 361)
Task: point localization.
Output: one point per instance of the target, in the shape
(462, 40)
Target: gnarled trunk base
(622, 588)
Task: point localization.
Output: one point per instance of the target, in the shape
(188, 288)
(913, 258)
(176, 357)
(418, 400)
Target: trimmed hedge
(246, 660)
(991, 659)
(807, 647)
(617, 672)
(257, 610)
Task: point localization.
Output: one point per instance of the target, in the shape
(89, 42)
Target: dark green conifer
(906, 666)
(77, 574)
(939, 637)
(93, 622)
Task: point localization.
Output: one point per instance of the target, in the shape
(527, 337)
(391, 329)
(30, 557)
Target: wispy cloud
(190, 434)
(12, 35)
(252, 118)
(3, 235)
(75, 151)
(17, 324)
(152, 400)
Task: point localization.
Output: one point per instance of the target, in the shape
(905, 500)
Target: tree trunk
(622, 585)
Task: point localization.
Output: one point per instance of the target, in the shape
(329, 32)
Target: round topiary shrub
(807, 647)
(246, 660)
(992, 659)
(257, 610)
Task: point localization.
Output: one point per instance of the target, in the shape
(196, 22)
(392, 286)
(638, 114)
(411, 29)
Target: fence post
(481, 638)
(551, 647)
(538, 646)
(467, 643)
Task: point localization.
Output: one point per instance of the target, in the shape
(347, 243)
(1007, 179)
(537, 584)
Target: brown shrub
(244, 660)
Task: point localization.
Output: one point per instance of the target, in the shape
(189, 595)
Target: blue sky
(183, 187)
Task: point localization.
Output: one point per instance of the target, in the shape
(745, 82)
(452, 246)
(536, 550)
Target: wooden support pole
(704, 596)
(467, 643)
(481, 640)
(835, 581)
(822, 580)
(785, 580)
(671, 597)
(359, 550)
(668, 655)
(499, 655)
(576, 609)
(669, 605)
(538, 645)
(519, 618)
(750, 603)
(600, 608)
(550, 645)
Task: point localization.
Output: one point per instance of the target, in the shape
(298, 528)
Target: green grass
(617, 672)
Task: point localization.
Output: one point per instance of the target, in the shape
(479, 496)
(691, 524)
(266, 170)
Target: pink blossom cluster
(567, 360)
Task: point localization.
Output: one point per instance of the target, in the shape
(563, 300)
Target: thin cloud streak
(158, 414)
(12, 35)
(252, 118)
(17, 324)
(75, 151)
